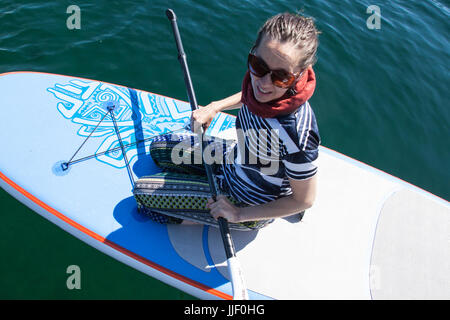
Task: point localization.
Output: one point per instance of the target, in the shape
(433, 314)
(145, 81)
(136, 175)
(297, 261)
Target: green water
(381, 97)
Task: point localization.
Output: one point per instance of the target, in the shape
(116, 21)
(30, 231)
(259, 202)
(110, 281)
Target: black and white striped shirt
(269, 152)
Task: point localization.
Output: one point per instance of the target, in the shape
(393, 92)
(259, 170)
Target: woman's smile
(263, 91)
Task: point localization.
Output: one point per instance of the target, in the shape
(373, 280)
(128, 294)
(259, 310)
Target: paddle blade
(237, 279)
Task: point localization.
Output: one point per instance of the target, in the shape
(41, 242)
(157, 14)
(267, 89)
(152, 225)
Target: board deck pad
(330, 254)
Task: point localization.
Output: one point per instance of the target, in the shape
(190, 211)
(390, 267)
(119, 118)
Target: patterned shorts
(181, 191)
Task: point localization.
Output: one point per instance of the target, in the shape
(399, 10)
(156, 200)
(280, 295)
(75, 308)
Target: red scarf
(287, 104)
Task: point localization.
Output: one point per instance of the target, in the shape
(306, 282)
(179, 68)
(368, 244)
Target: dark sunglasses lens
(282, 79)
(257, 66)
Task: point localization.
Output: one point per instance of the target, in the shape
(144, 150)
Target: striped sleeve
(301, 164)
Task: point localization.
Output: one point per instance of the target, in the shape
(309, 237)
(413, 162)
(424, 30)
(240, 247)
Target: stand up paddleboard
(368, 236)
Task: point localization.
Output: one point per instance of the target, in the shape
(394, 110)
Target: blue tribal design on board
(139, 115)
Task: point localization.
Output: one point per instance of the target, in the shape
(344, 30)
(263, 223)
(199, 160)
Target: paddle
(234, 268)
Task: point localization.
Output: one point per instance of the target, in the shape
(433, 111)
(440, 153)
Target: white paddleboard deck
(368, 236)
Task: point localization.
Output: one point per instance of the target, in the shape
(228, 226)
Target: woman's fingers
(202, 117)
(196, 120)
(223, 208)
(209, 203)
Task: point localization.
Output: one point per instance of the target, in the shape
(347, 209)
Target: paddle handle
(182, 59)
(190, 91)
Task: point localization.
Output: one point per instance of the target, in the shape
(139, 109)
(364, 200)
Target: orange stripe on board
(112, 244)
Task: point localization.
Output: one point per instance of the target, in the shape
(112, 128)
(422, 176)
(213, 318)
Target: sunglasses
(280, 78)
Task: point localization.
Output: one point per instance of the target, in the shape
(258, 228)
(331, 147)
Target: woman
(274, 95)
(270, 172)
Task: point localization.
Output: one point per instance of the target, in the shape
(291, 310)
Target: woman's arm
(302, 197)
(232, 102)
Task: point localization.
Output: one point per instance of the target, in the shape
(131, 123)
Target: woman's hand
(203, 116)
(224, 208)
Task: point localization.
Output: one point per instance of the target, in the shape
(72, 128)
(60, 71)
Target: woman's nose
(267, 79)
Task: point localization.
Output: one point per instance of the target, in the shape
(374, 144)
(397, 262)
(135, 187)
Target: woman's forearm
(232, 102)
(279, 208)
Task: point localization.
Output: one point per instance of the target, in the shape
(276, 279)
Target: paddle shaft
(237, 280)
(190, 90)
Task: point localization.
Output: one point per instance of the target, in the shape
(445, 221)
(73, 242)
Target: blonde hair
(296, 29)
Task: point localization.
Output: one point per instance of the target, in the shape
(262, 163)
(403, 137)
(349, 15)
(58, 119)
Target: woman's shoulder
(301, 126)
(297, 130)
(302, 113)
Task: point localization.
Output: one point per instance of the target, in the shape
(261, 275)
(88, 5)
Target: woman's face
(277, 56)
